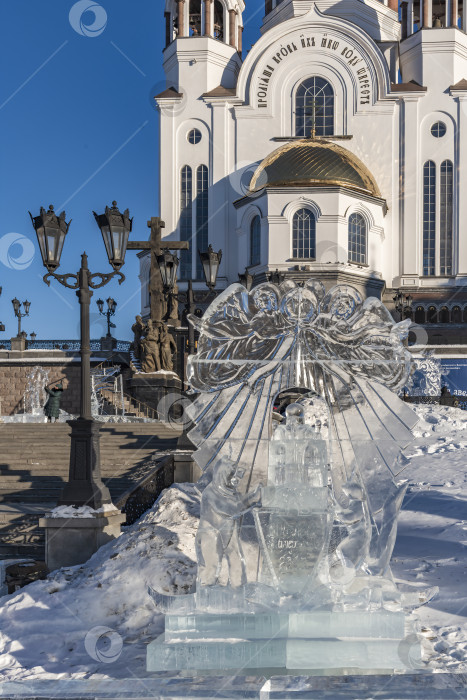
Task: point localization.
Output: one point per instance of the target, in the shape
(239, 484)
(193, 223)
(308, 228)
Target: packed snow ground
(51, 628)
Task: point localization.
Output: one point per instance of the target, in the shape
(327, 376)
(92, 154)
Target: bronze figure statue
(150, 351)
(168, 347)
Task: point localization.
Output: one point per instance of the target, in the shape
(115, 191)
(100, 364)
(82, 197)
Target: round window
(438, 130)
(194, 136)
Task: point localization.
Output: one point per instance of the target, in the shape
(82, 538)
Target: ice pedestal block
(296, 642)
(321, 624)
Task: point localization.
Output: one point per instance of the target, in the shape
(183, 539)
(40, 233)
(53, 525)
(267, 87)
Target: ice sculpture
(298, 523)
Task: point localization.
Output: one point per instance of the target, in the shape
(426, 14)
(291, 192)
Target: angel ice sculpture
(297, 525)
(217, 536)
(346, 351)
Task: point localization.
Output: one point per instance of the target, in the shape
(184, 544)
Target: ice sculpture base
(306, 642)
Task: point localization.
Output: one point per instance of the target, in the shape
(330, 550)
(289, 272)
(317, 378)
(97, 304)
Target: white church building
(335, 148)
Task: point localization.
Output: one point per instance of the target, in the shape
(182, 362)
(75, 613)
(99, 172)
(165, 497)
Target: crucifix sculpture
(156, 288)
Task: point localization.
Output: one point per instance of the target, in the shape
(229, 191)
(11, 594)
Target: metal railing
(454, 401)
(66, 345)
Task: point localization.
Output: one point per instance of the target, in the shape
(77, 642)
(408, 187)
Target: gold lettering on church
(346, 52)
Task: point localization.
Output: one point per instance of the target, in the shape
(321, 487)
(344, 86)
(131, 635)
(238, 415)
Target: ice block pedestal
(300, 642)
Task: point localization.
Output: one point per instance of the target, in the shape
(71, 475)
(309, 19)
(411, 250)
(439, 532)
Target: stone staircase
(34, 466)
(112, 405)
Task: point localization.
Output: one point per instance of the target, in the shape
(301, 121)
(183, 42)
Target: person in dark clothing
(52, 407)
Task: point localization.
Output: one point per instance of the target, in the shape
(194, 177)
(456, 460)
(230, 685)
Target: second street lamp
(19, 314)
(111, 309)
(85, 486)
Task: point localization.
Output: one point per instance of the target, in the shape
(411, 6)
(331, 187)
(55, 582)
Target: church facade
(336, 148)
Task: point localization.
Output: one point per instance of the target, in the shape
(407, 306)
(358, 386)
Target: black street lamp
(111, 309)
(403, 304)
(210, 261)
(19, 314)
(33, 337)
(168, 266)
(246, 279)
(85, 486)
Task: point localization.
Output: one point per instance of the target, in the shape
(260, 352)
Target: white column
(460, 239)
(410, 193)
(219, 208)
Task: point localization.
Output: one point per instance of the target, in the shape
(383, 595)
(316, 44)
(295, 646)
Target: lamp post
(85, 486)
(19, 314)
(111, 309)
(168, 266)
(403, 304)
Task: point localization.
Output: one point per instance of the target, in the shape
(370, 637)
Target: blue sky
(79, 129)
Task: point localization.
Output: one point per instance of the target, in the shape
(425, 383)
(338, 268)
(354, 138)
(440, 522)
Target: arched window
(456, 314)
(186, 221)
(304, 235)
(444, 315)
(202, 216)
(314, 108)
(255, 241)
(218, 20)
(357, 239)
(445, 224)
(419, 315)
(429, 217)
(432, 315)
(194, 24)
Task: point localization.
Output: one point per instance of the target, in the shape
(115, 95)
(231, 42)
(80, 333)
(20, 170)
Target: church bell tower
(203, 43)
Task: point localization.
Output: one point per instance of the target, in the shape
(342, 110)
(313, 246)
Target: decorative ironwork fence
(454, 401)
(66, 345)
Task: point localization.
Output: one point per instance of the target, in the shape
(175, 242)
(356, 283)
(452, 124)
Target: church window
(255, 241)
(419, 315)
(304, 234)
(186, 221)
(444, 315)
(446, 216)
(195, 18)
(194, 136)
(456, 314)
(438, 130)
(432, 315)
(218, 20)
(357, 239)
(202, 217)
(314, 108)
(429, 217)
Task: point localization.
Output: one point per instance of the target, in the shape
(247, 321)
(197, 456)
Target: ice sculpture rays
(301, 517)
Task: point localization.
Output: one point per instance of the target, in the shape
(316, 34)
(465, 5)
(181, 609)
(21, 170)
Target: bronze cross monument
(156, 289)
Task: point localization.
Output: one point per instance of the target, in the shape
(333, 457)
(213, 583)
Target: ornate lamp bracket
(63, 279)
(105, 278)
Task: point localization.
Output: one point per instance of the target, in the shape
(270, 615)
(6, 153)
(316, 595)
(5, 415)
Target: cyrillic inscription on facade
(337, 46)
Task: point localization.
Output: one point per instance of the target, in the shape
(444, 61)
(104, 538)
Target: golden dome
(313, 163)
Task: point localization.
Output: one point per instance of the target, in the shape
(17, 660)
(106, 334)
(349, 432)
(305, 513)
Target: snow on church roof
(314, 163)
